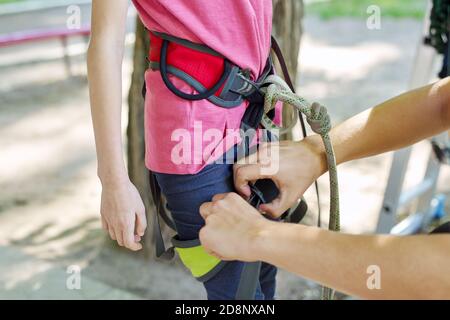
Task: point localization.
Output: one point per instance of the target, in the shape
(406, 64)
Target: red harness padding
(203, 67)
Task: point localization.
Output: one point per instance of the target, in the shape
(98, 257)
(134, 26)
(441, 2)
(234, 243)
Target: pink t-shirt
(178, 132)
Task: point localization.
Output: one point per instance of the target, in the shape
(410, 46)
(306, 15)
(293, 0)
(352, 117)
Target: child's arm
(122, 209)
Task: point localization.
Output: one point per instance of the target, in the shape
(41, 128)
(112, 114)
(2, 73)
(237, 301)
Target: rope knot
(271, 97)
(319, 120)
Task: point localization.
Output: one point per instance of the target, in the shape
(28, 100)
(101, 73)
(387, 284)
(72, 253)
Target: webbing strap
(161, 251)
(187, 44)
(192, 97)
(227, 98)
(249, 281)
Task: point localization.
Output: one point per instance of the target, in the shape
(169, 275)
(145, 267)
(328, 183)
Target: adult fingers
(219, 196)
(205, 240)
(245, 174)
(206, 209)
(279, 205)
(249, 160)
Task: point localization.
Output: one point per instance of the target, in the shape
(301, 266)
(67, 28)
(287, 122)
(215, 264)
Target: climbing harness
(226, 85)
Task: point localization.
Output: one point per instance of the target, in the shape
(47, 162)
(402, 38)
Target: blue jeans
(185, 194)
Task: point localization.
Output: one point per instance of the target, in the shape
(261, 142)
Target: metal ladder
(395, 197)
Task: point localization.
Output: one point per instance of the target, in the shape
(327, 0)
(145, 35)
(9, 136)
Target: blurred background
(348, 54)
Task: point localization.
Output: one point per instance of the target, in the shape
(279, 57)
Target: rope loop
(319, 120)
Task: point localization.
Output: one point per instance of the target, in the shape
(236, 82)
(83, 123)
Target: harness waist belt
(212, 75)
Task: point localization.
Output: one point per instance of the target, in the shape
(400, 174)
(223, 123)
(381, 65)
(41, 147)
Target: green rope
(319, 120)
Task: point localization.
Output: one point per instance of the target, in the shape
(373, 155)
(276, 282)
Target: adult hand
(123, 214)
(232, 227)
(298, 165)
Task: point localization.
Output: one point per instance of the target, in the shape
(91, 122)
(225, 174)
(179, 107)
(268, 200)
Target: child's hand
(123, 214)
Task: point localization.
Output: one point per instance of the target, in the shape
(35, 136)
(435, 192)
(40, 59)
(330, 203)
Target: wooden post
(135, 131)
(287, 29)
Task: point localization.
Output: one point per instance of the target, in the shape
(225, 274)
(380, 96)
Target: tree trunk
(286, 28)
(135, 131)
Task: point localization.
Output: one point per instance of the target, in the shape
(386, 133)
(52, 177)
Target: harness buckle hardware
(248, 87)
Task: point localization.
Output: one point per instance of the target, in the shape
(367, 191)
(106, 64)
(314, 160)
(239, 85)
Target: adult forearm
(105, 83)
(394, 124)
(410, 267)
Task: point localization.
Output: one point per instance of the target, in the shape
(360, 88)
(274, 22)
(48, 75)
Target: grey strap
(249, 281)
(296, 213)
(188, 44)
(161, 251)
(227, 99)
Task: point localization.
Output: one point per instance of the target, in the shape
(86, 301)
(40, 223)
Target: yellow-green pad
(197, 260)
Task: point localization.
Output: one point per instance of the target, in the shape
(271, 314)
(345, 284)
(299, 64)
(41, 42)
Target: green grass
(328, 9)
(8, 1)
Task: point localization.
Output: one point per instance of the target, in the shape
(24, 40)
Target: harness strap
(212, 76)
(188, 44)
(226, 99)
(161, 251)
(191, 97)
(249, 281)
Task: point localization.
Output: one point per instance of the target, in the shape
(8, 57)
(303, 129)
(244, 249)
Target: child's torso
(238, 29)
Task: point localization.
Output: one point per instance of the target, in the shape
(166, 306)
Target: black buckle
(441, 151)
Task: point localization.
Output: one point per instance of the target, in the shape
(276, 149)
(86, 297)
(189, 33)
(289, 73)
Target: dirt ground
(49, 199)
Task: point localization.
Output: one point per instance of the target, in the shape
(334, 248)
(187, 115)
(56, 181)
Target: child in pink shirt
(240, 30)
